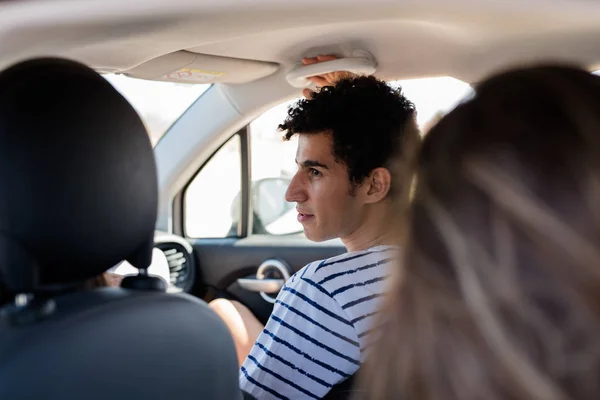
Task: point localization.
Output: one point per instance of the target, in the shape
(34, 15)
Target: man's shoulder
(318, 273)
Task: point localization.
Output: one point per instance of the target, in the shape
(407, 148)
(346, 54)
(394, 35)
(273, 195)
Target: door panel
(223, 261)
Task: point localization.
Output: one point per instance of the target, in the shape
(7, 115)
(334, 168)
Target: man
(350, 132)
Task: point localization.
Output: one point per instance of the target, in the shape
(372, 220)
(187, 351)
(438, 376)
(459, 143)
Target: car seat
(78, 194)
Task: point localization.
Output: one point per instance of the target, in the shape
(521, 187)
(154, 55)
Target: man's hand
(329, 79)
(113, 279)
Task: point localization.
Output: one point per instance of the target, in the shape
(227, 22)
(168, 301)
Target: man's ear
(378, 185)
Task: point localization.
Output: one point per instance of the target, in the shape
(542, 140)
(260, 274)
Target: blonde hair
(498, 295)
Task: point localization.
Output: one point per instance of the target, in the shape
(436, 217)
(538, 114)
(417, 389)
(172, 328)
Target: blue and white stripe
(319, 328)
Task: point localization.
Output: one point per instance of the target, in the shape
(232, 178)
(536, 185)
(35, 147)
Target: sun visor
(188, 67)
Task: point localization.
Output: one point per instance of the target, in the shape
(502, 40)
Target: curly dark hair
(365, 116)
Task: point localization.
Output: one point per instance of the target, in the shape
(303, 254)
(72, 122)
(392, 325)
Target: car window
(433, 97)
(212, 201)
(159, 104)
(272, 167)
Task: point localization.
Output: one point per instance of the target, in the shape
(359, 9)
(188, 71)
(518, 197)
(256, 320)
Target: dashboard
(172, 260)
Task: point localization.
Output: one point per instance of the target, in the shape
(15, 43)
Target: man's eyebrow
(312, 163)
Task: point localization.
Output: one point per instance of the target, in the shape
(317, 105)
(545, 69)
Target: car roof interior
(239, 43)
(247, 47)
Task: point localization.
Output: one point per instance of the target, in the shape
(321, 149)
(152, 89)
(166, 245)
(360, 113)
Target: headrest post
(27, 309)
(22, 299)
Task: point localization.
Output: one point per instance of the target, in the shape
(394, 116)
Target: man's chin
(317, 237)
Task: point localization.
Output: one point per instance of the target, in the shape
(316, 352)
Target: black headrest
(78, 186)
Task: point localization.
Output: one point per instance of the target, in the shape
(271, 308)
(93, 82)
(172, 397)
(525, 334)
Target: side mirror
(268, 199)
(272, 213)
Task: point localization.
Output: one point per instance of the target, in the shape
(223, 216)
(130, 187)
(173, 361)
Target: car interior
(194, 210)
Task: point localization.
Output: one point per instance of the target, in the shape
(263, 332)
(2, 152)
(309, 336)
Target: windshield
(159, 104)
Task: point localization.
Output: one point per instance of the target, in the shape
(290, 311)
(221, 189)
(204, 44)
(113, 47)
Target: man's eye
(314, 172)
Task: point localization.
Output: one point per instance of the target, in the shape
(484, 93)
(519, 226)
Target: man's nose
(295, 192)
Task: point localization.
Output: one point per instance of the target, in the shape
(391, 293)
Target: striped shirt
(319, 328)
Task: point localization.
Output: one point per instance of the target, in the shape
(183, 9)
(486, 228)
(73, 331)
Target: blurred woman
(498, 296)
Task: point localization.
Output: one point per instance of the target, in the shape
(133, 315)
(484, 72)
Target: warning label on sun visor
(195, 75)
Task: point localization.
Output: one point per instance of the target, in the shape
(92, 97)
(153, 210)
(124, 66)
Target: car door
(233, 212)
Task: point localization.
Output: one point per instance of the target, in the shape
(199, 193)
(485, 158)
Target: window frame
(245, 224)
(244, 227)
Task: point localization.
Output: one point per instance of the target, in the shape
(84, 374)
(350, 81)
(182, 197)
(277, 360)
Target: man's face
(321, 189)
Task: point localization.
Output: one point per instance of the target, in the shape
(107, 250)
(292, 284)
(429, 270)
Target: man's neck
(358, 244)
(374, 231)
